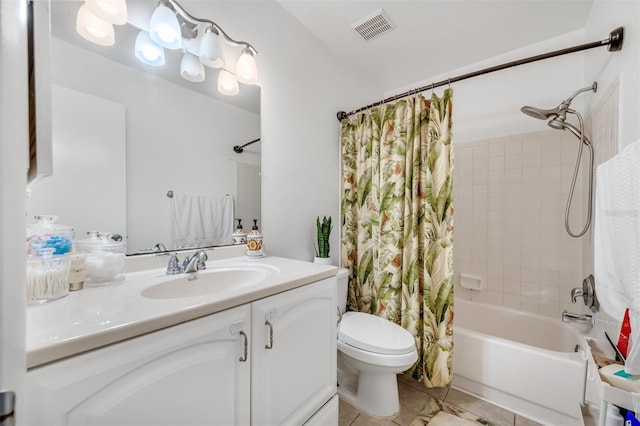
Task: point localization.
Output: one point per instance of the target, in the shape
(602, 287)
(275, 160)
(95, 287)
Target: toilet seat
(375, 334)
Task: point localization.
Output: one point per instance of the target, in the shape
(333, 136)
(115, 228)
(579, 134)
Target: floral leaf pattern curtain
(397, 223)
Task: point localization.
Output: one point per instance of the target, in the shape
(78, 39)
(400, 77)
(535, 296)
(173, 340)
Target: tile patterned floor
(414, 396)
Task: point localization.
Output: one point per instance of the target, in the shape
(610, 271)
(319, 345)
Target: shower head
(539, 113)
(558, 112)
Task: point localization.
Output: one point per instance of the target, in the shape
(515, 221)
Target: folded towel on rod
(201, 220)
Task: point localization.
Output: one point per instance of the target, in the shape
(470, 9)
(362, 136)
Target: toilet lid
(374, 334)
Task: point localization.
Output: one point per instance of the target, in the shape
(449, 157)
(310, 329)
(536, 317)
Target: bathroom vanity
(250, 342)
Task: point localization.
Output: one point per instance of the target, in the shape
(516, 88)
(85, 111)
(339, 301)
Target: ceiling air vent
(374, 25)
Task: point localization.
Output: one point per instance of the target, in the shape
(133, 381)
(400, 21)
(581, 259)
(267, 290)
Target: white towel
(617, 243)
(202, 220)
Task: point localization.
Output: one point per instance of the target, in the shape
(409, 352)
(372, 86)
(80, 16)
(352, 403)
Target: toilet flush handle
(339, 316)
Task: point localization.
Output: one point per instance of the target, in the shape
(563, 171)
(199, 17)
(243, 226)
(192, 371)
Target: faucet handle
(202, 259)
(173, 266)
(575, 293)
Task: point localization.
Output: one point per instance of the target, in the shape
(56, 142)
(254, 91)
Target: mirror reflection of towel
(202, 220)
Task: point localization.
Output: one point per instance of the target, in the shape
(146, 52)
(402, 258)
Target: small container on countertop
(254, 242)
(77, 271)
(104, 261)
(239, 236)
(47, 275)
(46, 233)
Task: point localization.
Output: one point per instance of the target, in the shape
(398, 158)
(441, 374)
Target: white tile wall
(510, 196)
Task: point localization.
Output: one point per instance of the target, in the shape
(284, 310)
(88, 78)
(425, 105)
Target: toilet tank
(343, 288)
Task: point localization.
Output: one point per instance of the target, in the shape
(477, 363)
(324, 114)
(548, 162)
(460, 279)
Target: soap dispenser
(254, 242)
(239, 236)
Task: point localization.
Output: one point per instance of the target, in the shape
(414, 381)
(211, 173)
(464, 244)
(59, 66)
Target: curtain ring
(449, 82)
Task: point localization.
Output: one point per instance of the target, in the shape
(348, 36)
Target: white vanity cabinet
(199, 372)
(187, 374)
(294, 354)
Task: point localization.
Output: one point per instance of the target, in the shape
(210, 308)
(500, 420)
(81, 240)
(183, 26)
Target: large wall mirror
(127, 135)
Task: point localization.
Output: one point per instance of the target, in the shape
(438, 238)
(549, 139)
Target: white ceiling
(432, 37)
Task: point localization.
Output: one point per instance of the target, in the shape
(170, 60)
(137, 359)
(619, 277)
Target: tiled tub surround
(510, 195)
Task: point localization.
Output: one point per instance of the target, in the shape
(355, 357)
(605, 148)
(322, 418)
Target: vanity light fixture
(147, 51)
(114, 11)
(93, 28)
(172, 27)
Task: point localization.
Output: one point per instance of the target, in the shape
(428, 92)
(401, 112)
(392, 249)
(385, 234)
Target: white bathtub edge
(531, 411)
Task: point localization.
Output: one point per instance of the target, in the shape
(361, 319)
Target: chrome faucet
(189, 265)
(196, 263)
(584, 319)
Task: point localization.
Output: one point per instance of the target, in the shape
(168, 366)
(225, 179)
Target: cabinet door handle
(243, 358)
(270, 345)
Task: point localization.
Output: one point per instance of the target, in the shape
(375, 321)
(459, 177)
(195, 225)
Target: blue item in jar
(61, 244)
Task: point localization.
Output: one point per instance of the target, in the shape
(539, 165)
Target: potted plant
(323, 231)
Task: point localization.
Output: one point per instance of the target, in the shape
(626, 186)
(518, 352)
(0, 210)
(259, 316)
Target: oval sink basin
(208, 281)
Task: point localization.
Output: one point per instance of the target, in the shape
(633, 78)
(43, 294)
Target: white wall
(623, 66)
(303, 87)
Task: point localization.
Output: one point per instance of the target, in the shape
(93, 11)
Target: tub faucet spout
(584, 319)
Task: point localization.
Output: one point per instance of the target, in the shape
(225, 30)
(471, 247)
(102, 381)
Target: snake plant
(323, 232)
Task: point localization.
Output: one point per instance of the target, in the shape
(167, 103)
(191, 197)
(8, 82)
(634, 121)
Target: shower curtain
(397, 223)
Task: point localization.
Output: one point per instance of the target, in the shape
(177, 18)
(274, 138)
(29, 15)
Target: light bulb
(114, 11)
(147, 51)
(150, 53)
(191, 68)
(164, 28)
(246, 68)
(93, 28)
(210, 51)
(227, 83)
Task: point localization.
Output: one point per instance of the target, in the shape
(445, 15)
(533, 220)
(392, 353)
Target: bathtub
(529, 364)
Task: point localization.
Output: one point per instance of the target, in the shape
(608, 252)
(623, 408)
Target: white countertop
(94, 317)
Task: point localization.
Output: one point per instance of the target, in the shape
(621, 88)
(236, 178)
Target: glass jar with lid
(47, 275)
(105, 259)
(47, 233)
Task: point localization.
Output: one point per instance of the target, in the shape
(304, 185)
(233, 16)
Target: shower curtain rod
(240, 148)
(613, 43)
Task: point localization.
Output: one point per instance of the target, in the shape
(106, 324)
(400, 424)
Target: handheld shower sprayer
(558, 120)
(558, 113)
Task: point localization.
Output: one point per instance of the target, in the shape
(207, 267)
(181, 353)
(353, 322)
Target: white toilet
(371, 352)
